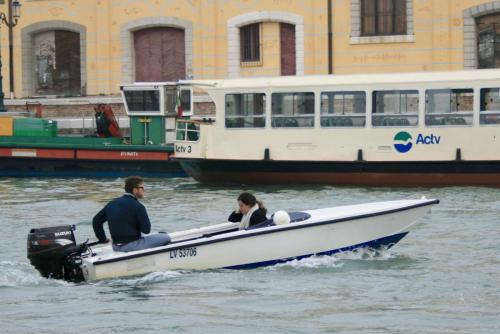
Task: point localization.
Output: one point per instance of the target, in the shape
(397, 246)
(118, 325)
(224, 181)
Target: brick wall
(62, 108)
(58, 111)
(204, 108)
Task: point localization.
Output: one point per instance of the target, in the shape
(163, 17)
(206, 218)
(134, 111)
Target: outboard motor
(54, 253)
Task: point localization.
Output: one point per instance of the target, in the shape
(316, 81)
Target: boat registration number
(183, 252)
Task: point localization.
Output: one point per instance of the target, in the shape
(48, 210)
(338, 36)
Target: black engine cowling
(54, 253)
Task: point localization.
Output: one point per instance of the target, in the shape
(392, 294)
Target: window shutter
(368, 15)
(400, 17)
(287, 49)
(250, 42)
(385, 12)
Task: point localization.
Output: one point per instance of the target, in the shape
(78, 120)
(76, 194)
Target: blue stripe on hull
(377, 243)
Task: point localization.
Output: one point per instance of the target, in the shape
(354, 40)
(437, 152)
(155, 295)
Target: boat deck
(91, 143)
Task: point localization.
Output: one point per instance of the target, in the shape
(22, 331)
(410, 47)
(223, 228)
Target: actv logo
(403, 141)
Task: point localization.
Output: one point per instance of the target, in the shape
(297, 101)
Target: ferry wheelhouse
(404, 129)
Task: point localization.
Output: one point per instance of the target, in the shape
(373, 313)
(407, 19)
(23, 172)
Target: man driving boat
(127, 220)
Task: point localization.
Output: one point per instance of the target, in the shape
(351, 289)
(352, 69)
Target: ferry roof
(346, 80)
(149, 83)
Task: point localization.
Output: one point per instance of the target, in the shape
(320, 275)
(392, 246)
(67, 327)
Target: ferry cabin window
(170, 100)
(187, 131)
(395, 108)
(449, 107)
(490, 106)
(185, 102)
(143, 100)
(383, 17)
(245, 110)
(291, 110)
(343, 109)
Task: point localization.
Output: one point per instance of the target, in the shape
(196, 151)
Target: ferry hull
(358, 173)
(70, 167)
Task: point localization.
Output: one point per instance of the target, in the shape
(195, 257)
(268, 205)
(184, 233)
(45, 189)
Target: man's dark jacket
(126, 218)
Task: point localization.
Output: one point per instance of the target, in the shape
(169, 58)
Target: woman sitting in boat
(250, 211)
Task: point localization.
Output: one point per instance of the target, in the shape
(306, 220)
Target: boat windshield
(142, 101)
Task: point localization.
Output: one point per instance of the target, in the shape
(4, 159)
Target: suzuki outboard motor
(54, 253)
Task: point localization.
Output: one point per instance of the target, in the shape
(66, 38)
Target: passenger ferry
(403, 129)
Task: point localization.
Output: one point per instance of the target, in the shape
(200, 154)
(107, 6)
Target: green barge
(32, 147)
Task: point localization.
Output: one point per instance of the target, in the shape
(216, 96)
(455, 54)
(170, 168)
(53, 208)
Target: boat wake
(151, 278)
(15, 274)
(338, 260)
(311, 263)
(371, 254)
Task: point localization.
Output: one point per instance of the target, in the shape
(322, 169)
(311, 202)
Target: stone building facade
(67, 51)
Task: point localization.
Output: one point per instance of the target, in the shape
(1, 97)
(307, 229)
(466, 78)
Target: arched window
(265, 43)
(252, 52)
(488, 38)
(481, 25)
(160, 54)
(57, 63)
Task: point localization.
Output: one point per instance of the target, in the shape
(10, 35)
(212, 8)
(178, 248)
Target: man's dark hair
(132, 182)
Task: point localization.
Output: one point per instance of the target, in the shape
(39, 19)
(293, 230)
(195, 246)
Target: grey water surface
(442, 278)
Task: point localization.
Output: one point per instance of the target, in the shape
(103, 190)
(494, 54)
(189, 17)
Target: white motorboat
(54, 252)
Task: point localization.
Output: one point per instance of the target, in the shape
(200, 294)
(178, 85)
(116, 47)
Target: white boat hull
(327, 231)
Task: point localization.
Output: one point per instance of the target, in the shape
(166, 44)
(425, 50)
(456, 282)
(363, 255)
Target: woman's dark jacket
(258, 216)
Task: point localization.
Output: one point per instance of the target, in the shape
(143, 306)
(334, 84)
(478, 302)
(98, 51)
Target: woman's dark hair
(132, 182)
(250, 200)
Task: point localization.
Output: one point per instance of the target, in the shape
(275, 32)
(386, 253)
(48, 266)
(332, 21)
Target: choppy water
(442, 278)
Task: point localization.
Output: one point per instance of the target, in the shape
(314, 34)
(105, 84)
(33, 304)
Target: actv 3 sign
(403, 141)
